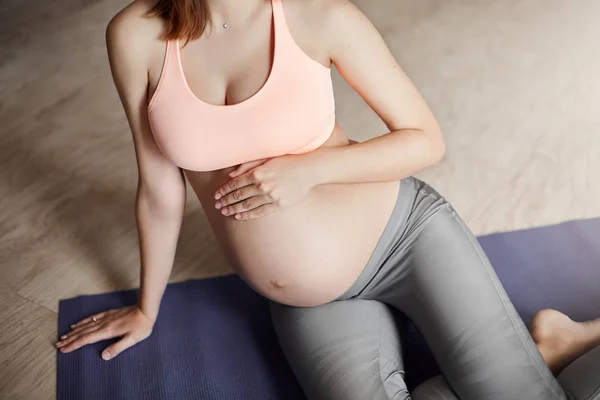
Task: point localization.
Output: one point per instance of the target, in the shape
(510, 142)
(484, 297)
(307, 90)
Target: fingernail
(106, 355)
(63, 337)
(218, 205)
(217, 196)
(225, 211)
(238, 216)
(72, 326)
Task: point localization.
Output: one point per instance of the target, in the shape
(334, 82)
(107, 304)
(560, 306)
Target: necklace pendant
(226, 25)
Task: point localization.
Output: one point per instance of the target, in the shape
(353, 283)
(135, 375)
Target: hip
(415, 206)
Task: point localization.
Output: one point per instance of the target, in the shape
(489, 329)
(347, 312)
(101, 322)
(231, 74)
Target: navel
(277, 284)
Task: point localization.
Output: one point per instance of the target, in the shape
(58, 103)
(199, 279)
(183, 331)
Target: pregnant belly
(312, 252)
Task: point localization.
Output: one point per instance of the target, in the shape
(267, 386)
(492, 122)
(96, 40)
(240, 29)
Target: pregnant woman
(236, 96)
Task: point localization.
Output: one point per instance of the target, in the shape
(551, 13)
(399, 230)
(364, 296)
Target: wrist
(149, 312)
(319, 165)
(150, 316)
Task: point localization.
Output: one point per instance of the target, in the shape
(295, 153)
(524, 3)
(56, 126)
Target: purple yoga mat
(213, 339)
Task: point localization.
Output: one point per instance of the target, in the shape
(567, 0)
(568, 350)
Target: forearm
(390, 157)
(158, 232)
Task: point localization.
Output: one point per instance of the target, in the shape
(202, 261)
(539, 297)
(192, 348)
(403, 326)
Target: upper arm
(129, 47)
(367, 64)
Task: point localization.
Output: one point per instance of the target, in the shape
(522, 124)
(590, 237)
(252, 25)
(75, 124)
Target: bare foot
(558, 337)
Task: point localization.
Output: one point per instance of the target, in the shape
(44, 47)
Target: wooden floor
(515, 85)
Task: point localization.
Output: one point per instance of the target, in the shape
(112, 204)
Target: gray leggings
(428, 265)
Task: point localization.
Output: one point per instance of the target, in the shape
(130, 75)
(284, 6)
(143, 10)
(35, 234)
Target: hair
(186, 19)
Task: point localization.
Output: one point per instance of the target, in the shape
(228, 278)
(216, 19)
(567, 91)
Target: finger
(246, 205)
(245, 167)
(70, 337)
(235, 184)
(257, 212)
(88, 319)
(84, 326)
(238, 195)
(115, 349)
(88, 338)
(78, 330)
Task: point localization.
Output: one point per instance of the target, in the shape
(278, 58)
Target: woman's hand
(128, 322)
(261, 187)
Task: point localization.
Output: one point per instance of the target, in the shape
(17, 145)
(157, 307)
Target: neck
(233, 12)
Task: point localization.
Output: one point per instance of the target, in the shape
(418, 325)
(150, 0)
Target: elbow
(163, 199)
(439, 148)
(435, 145)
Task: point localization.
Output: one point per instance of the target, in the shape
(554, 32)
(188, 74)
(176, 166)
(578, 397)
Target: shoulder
(329, 21)
(323, 13)
(131, 33)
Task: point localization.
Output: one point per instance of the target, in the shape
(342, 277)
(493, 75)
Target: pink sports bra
(292, 113)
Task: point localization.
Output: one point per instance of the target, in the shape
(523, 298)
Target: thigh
(343, 350)
(436, 388)
(457, 302)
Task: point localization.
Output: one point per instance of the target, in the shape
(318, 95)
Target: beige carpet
(514, 84)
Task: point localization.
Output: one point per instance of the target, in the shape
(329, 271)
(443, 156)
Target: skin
(277, 207)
